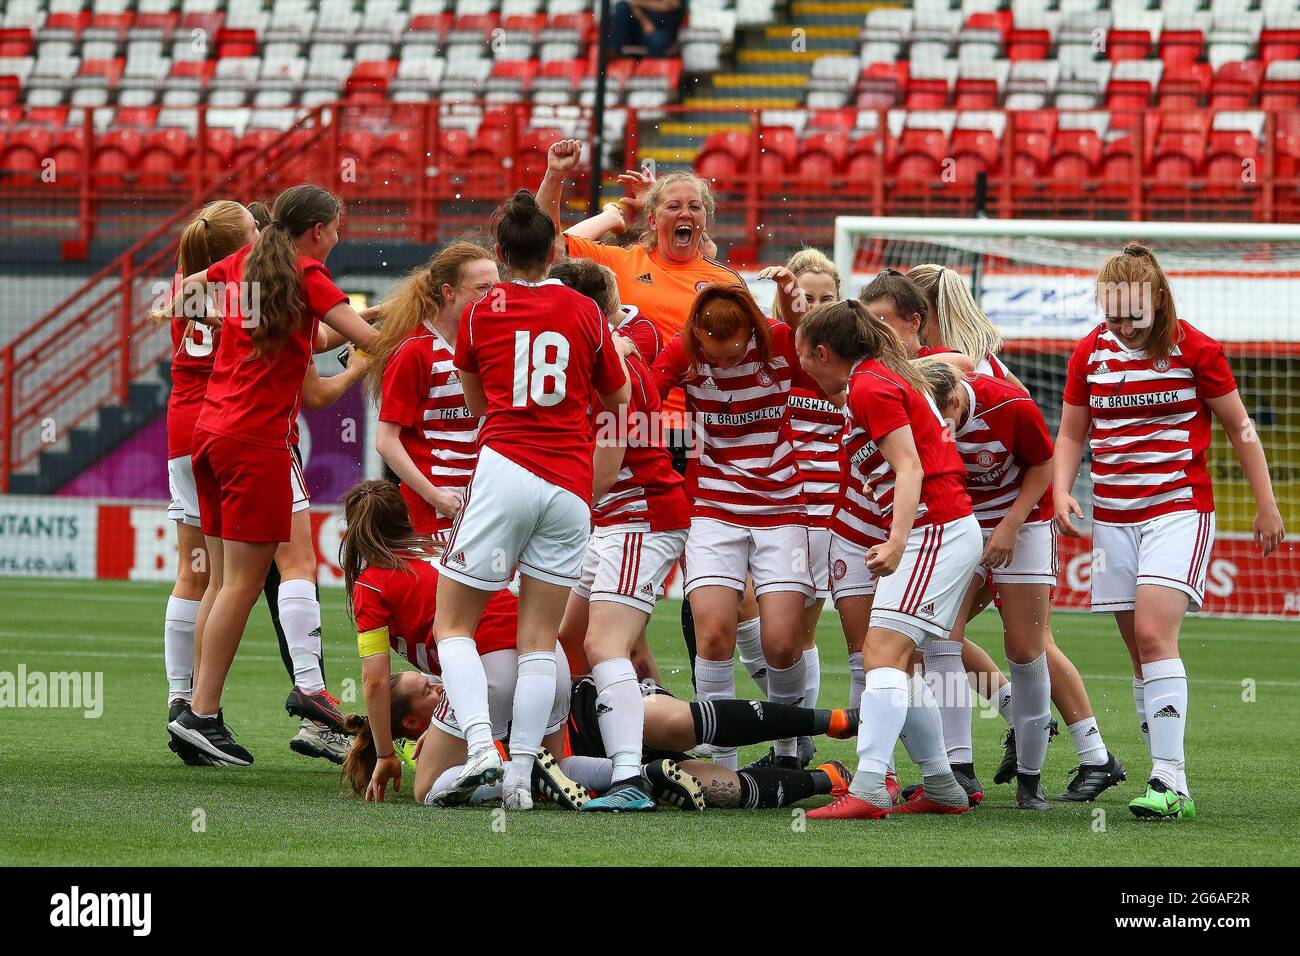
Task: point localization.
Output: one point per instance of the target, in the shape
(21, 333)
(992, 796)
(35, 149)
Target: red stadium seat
(1076, 155)
(136, 117)
(164, 23)
(998, 21)
(1228, 152)
(165, 152)
(1236, 85)
(975, 151)
(10, 92)
(117, 154)
(69, 150)
(584, 23)
(454, 143)
(110, 24)
(822, 156)
(778, 146)
(483, 24)
(1183, 86)
(16, 42)
(724, 156)
(921, 153)
(1128, 45)
(1028, 44)
(1035, 131)
(883, 85)
(532, 24)
(437, 24)
(863, 161)
(110, 70)
(1279, 45)
(928, 93)
(1179, 158)
(975, 94)
(236, 43)
(1279, 94)
(26, 149)
(1181, 46)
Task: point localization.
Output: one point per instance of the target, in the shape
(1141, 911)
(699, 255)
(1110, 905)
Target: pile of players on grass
(567, 415)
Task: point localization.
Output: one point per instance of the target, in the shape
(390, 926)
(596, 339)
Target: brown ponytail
(378, 534)
(849, 330)
(359, 764)
(524, 233)
(1136, 269)
(722, 311)
(217, 230)
(418, 299)
(272, 266)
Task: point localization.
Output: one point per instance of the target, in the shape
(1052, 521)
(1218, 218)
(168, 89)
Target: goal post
(1237, 282)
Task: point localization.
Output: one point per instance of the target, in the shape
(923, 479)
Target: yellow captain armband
(372, 642)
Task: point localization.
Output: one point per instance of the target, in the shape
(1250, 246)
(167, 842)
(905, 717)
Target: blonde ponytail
(962, 326)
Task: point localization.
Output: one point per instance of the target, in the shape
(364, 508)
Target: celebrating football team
(570, 417)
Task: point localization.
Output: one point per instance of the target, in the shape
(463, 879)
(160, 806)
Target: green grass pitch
(78, 791)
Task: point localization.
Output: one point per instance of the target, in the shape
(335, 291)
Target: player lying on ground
(1141, 388)
(674, 727)
(392, 585)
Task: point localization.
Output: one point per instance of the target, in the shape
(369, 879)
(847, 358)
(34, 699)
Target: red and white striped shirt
(1150, 423)
(879, 402)
(746, 472)
(815, 426)
(422, 393)
(647, 495)
(1004, 434)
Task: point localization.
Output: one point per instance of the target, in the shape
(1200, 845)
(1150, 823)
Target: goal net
(1239, 283)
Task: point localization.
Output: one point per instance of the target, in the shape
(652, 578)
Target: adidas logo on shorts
(603, 709)
(648, 589)
(458, 558)
(1166, 711)
(927, 610)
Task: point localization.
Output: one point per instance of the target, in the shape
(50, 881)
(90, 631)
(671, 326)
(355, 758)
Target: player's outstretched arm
(1066, 458)
(330, 336)
(1231, 413)
(319, 392)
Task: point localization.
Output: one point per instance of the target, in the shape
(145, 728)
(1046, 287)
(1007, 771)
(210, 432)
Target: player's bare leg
(243, 569)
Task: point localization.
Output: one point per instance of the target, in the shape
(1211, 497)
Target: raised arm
(560, 160)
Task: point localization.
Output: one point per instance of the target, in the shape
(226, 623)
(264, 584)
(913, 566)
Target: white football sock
(1140, 703)
(300, 618)
(620, 714)
(1165, 687)
(534, 695)
(1004, 697)
(482, 793)
(922, 732)
(716, 680)
(950, 689)
(465, 683)
(812, 684)
(857, 679)
(178, 647)
(594, 773)
(749, 645)
(883, 713)
(1088, 743)
(1031, 712)
(786, 686)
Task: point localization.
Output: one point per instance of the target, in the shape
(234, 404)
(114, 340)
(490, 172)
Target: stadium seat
(1236, 85)
(822, 156)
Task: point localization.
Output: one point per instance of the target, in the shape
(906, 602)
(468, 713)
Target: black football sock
(688, 632)
(738, 723)
(765, 787)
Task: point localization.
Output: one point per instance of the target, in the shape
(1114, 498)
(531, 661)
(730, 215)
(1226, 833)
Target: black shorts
(584, 725)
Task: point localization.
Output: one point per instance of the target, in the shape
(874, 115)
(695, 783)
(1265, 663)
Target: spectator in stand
(646, 24)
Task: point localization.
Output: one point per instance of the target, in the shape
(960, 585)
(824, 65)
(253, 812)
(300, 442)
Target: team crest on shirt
(1160, 365)
(984, 459)
(839, 569)
(764, 379)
